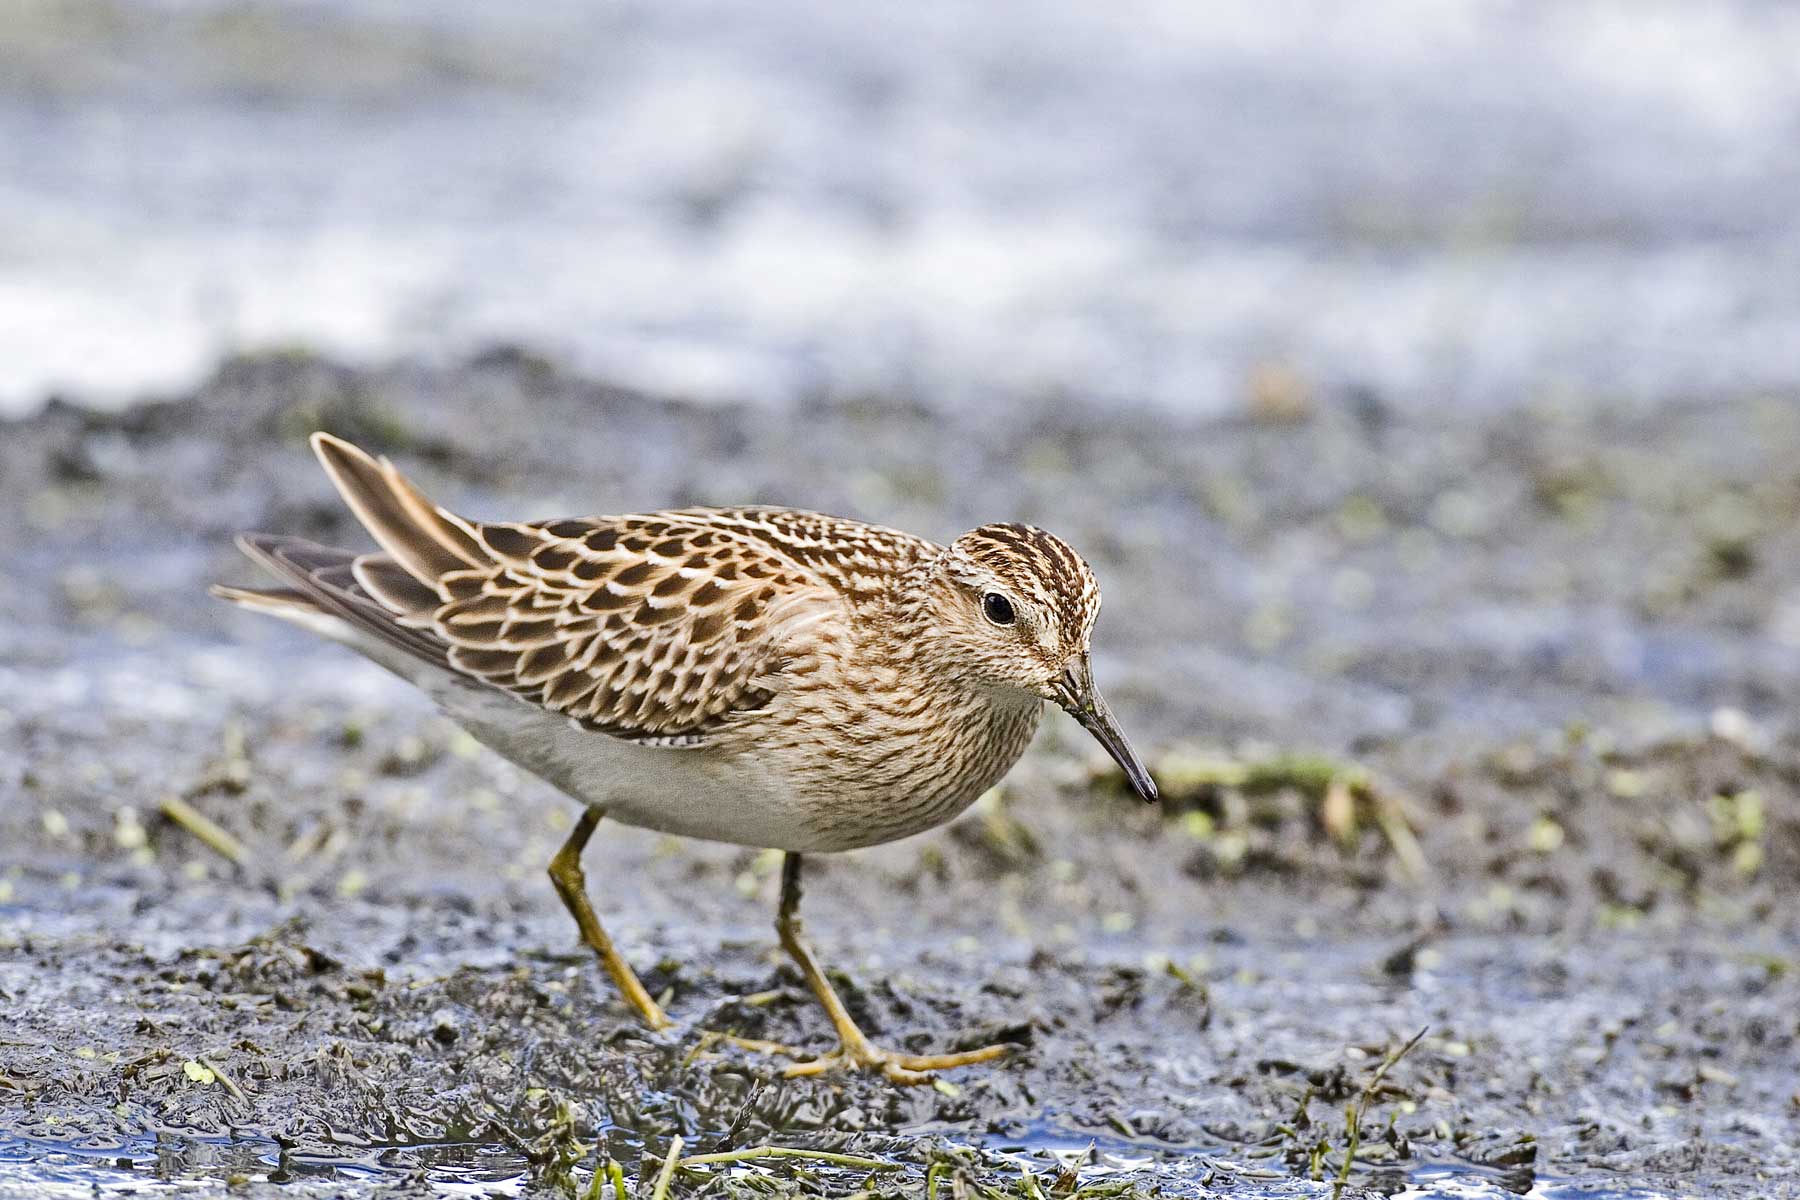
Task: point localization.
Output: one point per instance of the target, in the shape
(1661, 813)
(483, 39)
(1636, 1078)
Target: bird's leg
(571, 885)
(854, 1048)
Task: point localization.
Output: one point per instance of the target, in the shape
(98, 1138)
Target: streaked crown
(1014, 605)
(1034, 564)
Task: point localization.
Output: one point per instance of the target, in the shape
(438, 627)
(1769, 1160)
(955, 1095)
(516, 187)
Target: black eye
(998, 609)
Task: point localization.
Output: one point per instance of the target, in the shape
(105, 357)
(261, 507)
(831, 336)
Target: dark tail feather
(325, 579)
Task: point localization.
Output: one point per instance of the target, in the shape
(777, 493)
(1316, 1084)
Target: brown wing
(853, 558)
(646, 625)
(653, 626)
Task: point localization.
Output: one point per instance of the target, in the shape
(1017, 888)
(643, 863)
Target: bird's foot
(656, 1020)
(860, 1054)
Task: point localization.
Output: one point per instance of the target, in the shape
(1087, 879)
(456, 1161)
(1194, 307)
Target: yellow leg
(854, 1048)
(571, 885)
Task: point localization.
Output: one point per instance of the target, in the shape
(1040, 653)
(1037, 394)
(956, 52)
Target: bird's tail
(425, 539)
(376, 603)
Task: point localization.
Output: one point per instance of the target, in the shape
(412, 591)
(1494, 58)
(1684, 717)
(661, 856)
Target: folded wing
(654, 627)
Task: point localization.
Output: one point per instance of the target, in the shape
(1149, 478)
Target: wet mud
(1468, 724)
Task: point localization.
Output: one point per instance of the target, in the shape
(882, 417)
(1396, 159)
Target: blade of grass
(211, 833)
(751, 1153)
(667, 1175)
(1353, 1112)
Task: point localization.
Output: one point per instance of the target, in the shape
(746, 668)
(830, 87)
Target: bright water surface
(1144, 201)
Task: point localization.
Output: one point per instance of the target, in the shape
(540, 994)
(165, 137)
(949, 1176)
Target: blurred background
(1137, 203)
(1422, 380)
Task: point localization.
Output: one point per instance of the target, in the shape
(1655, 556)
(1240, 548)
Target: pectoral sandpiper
(762, 676)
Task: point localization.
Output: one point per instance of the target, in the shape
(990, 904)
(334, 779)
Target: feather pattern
(647, 626)
(765, 675)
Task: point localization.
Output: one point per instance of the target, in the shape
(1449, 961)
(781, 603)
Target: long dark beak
(1076, 692)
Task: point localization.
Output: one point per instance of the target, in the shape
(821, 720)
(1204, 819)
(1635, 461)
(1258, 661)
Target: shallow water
(175, 1163)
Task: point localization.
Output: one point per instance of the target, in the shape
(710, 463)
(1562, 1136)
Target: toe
(907, 1069)
(759, 1046)
(945, 1062)
(816, 1066)
(897, 1072)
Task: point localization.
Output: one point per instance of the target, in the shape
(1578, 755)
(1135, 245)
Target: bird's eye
(998, 609)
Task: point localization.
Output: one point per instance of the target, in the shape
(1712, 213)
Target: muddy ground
(1471, 723)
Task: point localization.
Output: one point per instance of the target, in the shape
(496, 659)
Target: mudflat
(1471, 723)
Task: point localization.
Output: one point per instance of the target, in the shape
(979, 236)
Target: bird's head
(1015, 607)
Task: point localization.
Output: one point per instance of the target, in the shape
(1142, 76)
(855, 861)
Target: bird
(764, 676)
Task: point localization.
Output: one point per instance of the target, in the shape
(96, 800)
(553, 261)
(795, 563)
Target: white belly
(688, 791)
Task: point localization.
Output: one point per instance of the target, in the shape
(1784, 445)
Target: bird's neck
(902, 638)
(905, 621)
